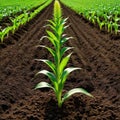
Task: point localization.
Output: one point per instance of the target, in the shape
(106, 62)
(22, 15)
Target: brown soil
(95, 52)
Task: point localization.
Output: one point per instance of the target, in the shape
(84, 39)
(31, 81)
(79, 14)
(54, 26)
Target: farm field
(96, 52)
(104, 14)
(12, 17)
(14, 6)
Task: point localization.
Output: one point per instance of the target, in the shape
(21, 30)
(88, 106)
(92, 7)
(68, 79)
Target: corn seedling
(109, 26)
(101, 24)
(4, 33)
(115, 26)
(59, 72)
(92, 17)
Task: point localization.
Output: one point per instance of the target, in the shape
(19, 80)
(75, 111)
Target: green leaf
(50, 75)
(64, 49)
(49, 25)
(57, 10)
(60, 29)
(66, 72)
(43, 37)
(64, 20)
(64, 62)
(49, 38)
(73, 91)
(51, 35)
(49, 63)
(52, 22)
(43, 85)
(63, 40)
(49, 49)
(66, 26)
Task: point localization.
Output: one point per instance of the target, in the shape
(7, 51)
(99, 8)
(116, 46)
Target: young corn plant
(4, 33)
(109, 26)
(101, 24)
(59, 73)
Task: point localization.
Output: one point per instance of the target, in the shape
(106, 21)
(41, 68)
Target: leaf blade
(51, 35)
(64, 49)
(64, 62)
(49, 49)
(43, 85)
(50, 75)
(75, 90)
(66, 72)
(49, 63)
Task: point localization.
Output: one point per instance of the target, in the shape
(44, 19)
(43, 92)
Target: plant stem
(59, 98)
(58, 77)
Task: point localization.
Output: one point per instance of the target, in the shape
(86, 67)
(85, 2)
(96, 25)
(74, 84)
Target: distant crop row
(102, 12)
(11, 10)
(22, 19)
(12, 7)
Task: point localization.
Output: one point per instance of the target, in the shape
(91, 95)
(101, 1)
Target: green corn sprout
(16, 24)
(115, 26)
(86, 14)
(92, 17)
(59, 73)
(110, 26)
(4, 33)
(101, 24)
(24, 20)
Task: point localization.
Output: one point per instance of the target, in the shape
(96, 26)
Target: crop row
(22, 19)
(11, 9)
(105, 15)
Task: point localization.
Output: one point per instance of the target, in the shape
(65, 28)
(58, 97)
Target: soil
(95, 52)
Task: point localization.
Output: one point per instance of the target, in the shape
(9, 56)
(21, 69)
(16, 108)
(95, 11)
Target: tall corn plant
(59, 73)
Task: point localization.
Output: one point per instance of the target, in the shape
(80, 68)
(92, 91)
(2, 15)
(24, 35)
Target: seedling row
(104, 13)
(19, 20)
(14, 7)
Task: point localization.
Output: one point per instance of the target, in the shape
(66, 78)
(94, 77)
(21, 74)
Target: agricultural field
(17, 14)
(85, 39)
(105, 14)
(12, 8)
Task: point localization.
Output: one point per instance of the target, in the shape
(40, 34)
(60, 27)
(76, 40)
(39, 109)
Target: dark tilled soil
(96, 53)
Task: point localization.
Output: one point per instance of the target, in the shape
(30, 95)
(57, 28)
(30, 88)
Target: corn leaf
(64, 20)
(73, 91)
(63, 40)
(49, 49)
(66, 72)
(51, 26)
(43, 85)
(49, 38)
(52, 36)
(52, 22)
(49, 63)
(50, 75)
(64, 49)
(60, 30)
(64, 62)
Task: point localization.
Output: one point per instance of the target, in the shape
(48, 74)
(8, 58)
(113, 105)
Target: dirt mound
(95, 52)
